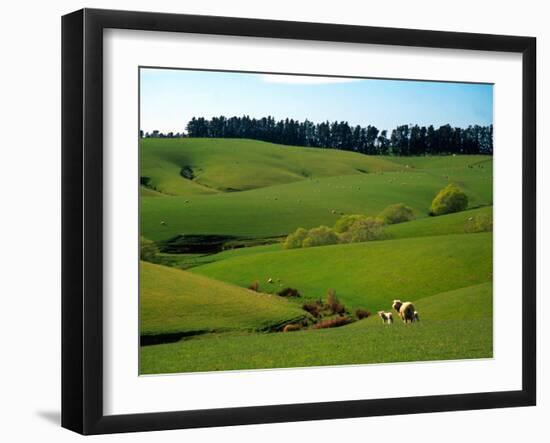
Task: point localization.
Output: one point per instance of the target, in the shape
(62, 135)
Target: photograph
(292, 220)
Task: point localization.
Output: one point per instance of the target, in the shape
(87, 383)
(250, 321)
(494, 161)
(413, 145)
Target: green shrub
(295, 239)
(344, 223)
(148, 251)
(320, 236)
(450, 199)
(479, 223)
(397, 213)
(303, 238)
(364, 229)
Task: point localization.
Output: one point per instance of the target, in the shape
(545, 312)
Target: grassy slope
(278, 210)
(186, 261)
(148, 192)
(444, 161)
(441, 225)
(174, 301)
(290, 187)
(370, 274)
(471, 303)
(238, 164)
(424, 227)
(454, 325)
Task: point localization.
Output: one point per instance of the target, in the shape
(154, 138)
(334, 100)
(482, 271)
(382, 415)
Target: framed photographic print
(269, 221)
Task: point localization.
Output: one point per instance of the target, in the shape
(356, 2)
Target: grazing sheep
(387, 317)
(291, 327)
(163, 223)
(270, 280)
(405, 310)
(415, 316)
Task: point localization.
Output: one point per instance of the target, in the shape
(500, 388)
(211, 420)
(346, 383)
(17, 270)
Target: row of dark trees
(157, 134)
(403, 140)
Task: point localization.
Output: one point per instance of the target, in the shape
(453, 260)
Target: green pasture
(423, 227)
(444, 161)
(441, 225)
(368, 275)
(219, 165)
(278, 210)
(174, 301)
(444, 333)
(253, 193)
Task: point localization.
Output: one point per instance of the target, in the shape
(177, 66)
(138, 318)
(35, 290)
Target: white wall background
(30, 217)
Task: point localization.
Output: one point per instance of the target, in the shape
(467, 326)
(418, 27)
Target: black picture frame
(82, 218)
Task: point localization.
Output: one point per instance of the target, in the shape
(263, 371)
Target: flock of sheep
(406, 312)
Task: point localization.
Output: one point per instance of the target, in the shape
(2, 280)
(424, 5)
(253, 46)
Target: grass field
(280, 209)
(173, 301)
(441, 335)
(220, 165)
(442, 225)
(448, 162)
(429, 226)
(367, 274)
(252, 194)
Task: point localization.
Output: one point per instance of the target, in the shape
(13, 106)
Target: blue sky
(170, 98)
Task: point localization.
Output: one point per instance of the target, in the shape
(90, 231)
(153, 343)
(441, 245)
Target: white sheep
(387, 317)
(405, 310)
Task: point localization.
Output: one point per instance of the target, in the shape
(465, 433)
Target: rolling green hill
(246, 193)
(444, 161)
(454, 325)
(368, 274)
(198, 166)
(174, 301)
(470, 303)
(423, 227)
(278, 210)
(283, 187)
(440, 225)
